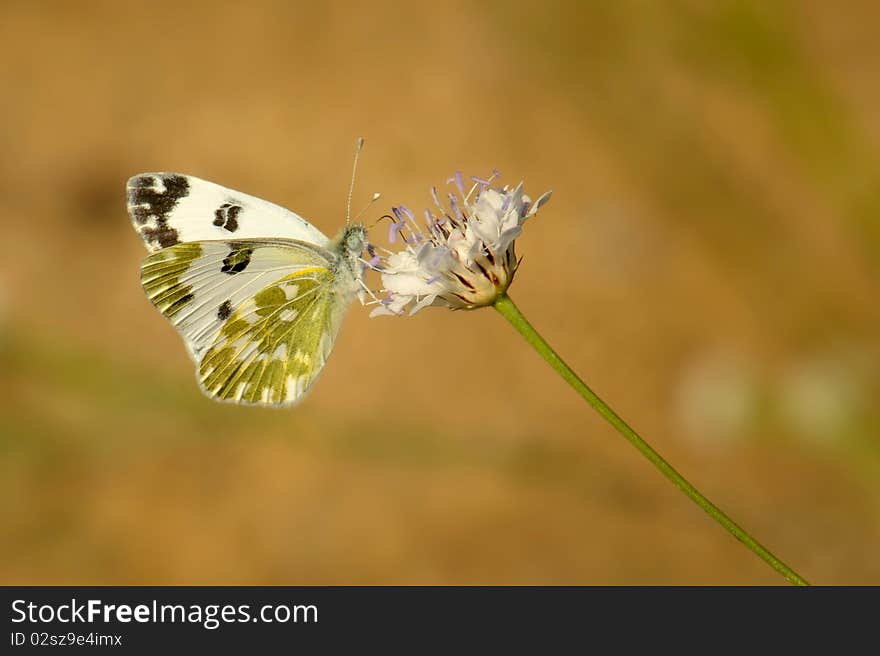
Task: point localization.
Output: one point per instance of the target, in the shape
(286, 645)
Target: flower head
(463, 258)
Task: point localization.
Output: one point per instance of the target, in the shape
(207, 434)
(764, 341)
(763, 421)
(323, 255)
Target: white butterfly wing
(259, 318)
(171, 208)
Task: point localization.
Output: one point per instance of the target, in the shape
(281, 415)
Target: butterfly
(257, 292)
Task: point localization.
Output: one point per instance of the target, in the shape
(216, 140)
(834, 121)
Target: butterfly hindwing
(171, 208)
(272, 348)
(258, 317)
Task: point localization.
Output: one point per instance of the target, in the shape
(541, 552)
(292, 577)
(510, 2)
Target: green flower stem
(510, 312)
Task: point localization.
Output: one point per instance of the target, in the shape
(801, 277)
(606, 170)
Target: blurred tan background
(709, 263)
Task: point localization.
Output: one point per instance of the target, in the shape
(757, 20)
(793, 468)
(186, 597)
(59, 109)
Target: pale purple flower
(466, 258)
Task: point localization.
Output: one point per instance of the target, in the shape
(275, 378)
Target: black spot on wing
(148, 204)
(224, 310)
(162, 234)
(172, 309)
(226, 216)
(238, 260)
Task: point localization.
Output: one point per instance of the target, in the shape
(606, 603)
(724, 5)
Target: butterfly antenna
(357, 152)
(375, 197)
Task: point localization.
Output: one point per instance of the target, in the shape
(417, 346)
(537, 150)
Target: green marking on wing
(279, 338)
(161, 273)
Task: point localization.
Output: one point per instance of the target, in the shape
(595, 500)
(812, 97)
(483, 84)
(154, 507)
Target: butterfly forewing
(170, 208)
(259, 317)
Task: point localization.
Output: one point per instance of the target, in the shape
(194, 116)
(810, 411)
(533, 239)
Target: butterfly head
(351, 244)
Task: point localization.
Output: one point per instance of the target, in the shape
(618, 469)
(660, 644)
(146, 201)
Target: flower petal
(542, 199)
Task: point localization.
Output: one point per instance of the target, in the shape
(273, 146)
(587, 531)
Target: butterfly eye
(354, 242)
